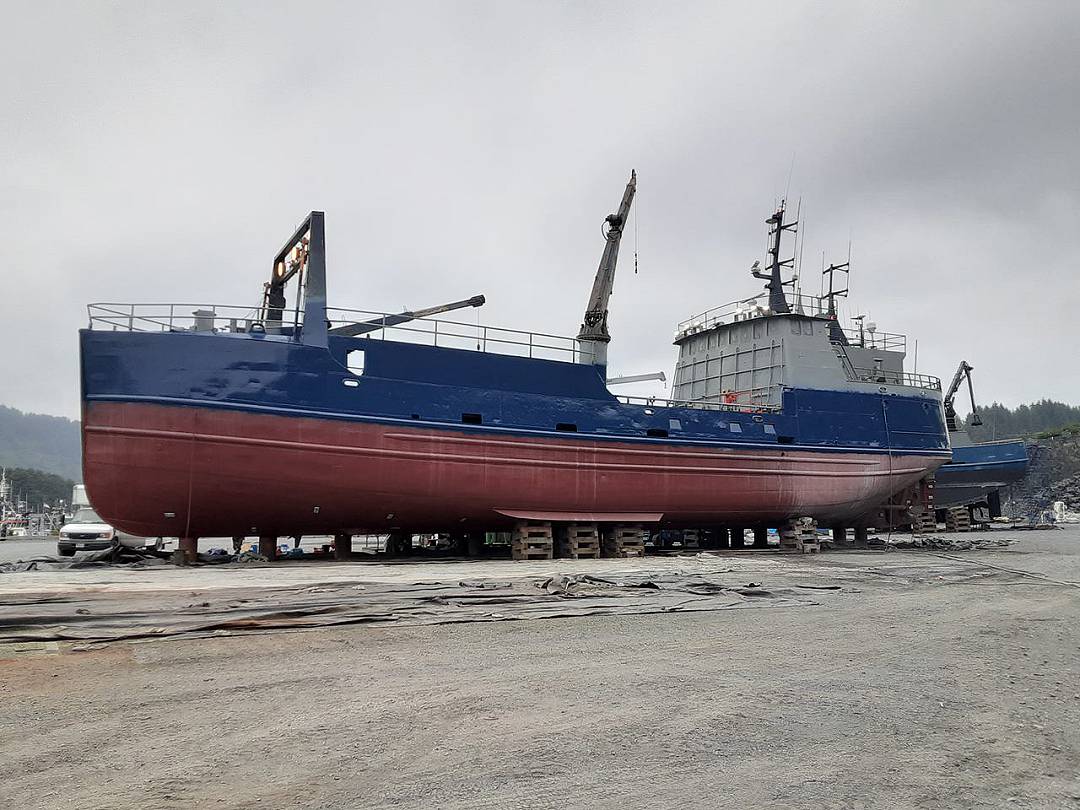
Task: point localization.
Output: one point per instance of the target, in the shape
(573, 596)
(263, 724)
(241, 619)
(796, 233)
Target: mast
(836, 334)
(778, 303)
(594, 334)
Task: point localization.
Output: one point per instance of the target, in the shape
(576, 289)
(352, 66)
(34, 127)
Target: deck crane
(594, 335)
(363, 327)
(292, 262)
(950, 411)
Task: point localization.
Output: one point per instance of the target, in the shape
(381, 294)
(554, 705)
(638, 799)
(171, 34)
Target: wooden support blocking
(189, 547)
(860, 536)
(923, 521)
(800, 536)
(578, 541)
(342, 546)
(738, 538)
(957, 519)
(624, 540)
(532, 540)
(839, 535)
(268, 546)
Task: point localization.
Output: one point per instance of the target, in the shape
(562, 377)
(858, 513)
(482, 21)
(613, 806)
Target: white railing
(460, 335)
(809, 305)
(709, 404)
(897, 378)
(187, 318)
(755, 307)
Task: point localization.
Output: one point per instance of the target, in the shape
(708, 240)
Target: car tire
(66, 552)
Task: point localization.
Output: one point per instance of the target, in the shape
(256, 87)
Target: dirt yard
(911, 680)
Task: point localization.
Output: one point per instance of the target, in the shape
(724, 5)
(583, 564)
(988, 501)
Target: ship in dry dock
(225, 421)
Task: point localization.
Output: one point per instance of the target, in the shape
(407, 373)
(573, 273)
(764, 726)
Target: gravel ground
(938, 689)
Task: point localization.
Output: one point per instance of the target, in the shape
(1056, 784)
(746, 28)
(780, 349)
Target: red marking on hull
(223, 473)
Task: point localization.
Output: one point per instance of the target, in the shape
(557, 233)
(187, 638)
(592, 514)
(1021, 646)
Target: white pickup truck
(86, 531)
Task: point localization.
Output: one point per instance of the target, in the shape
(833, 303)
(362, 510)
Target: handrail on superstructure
(808, 305)
(877, 375)
(709, 404)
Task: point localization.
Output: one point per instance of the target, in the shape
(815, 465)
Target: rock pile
(949, 543)
(1053, 475)
(1067, 490)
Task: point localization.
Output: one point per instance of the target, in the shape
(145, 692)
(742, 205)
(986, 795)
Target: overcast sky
(163, 151)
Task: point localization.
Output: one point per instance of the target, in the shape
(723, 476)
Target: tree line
(1026, 421)
(37, 487)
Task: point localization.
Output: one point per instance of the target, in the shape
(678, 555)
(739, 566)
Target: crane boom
(635, 378)
(963, 371)
(363, 327)
(594, 330)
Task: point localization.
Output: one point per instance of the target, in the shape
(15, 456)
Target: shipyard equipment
(962, 372)
(594, 334)
(363, 327)
(969, 484)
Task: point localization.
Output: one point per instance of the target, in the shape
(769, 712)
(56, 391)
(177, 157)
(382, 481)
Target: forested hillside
(1000, 422)
(39, 487)
(39, 442)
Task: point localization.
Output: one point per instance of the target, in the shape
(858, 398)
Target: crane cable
(635, 236)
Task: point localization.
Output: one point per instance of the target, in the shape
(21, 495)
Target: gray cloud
(161, 152)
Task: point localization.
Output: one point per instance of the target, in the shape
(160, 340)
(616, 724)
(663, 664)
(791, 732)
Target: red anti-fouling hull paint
(188, 471)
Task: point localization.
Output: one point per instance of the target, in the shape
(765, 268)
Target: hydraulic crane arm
(964, 371)
(635, 378)
(594, 330)
(363, 327)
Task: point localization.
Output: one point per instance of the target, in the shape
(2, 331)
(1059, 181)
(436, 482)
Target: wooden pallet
(531, 540)
(578, 541)
(800, 536)
(624, 540)
(923, 522)
(957, 519)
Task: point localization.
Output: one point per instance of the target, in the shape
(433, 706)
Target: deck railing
(897, 378)
(460, 335)
(709, 404)
(187, 318)
(383, 326)
(809, 305)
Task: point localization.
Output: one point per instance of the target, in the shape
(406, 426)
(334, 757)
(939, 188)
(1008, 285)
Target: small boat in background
(977, 471)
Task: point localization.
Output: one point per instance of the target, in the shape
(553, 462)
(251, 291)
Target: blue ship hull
(976, 470)
(189, 433)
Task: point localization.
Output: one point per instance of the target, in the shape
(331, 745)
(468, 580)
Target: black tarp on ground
(108, 616)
